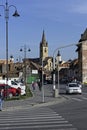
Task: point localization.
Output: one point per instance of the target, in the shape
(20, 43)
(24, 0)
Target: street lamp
(25, 50)
(42, 83)
(6, 10)
(19, 59)
(54, 85)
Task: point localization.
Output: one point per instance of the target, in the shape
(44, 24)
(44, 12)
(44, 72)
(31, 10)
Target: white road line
(35, 123)
(32, 118)
(77, 99)
(36, 126)
(64, 129)
(84, 98)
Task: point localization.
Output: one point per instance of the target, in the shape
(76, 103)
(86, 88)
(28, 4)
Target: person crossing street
(1, 98)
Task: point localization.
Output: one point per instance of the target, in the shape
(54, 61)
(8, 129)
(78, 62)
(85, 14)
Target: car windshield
(13, 83)
(73, 85)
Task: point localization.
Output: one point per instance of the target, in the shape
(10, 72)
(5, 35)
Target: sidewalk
(36, 100)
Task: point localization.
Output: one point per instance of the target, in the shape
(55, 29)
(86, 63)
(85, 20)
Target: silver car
(73, 88)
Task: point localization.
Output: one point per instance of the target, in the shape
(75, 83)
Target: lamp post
(42, 83)
(6, 10)
(25, 51)
(54, 85)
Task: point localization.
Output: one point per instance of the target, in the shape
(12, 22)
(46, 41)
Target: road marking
(84, 98)
(37, 123)
(36, 126)
(28, 118)
(77, 99)
(34, 120)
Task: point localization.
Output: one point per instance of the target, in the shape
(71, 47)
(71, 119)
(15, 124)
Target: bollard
(55, 93)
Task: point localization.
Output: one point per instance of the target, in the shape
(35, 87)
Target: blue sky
(62, 20)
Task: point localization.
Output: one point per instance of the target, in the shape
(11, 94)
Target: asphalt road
(75, 109)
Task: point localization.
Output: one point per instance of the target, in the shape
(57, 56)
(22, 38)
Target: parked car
(10, 91)
(73, 88)
(15, 84)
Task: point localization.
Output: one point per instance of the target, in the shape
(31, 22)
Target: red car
(10, 91)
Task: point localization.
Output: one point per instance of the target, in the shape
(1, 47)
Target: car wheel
(10, 95)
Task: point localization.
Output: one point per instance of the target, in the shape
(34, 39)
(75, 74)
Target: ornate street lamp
(24, 48)
(6, 10)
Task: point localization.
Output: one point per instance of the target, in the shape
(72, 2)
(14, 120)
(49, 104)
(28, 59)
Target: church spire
(43, 47)
(58, 58)
(58, 54)
(44, 39)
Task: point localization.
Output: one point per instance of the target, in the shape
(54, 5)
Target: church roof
(35, 65)
(36, 60)
(83, 36)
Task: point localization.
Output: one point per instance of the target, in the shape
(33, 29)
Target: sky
(63, 22)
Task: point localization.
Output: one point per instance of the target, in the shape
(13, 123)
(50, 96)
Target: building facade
(82, 57)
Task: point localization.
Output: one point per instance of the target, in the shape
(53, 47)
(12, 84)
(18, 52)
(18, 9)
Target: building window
(45, 50)
(0, 68)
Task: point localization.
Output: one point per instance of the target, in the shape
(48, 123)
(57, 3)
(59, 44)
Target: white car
(73, 88)
(20, 85)
(23, 88)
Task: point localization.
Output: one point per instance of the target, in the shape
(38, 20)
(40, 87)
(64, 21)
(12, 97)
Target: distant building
(82, 57)
(11, 71)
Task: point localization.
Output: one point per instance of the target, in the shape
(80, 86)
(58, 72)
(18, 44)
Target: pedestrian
(1, 98)
(39, 85)
(33, 85)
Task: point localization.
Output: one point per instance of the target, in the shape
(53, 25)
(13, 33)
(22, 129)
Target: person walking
(1, 98)
(33, 85)
(39, 85)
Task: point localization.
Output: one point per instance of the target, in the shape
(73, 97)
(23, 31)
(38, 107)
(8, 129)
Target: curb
(32, 105)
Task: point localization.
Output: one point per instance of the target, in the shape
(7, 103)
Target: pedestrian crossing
(39, 118)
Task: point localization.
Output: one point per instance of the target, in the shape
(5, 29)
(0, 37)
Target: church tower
(43, 47)
(58, 57)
